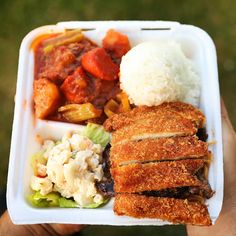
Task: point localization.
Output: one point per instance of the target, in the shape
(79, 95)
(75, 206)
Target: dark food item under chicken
(106, 186)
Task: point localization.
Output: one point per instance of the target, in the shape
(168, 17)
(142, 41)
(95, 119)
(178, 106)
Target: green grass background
(18, 17)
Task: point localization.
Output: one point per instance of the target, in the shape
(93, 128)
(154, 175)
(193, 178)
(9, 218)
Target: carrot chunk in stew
(116, 43)
(79, 88)
(46, 98)
(98, 63)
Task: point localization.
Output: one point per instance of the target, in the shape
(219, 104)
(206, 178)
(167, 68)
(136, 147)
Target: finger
(229, 145)
(67, 229)
(225, 116)
(229, 150)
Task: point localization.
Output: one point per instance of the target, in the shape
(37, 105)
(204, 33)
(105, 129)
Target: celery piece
(79, 112)
(62, 39)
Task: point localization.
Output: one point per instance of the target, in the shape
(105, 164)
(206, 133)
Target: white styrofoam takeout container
(197, 46)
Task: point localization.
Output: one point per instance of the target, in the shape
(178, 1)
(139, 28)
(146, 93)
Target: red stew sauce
(71, 69)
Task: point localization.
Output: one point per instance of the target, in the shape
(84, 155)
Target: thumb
(66, 229)
(229, 150)
(225, 119)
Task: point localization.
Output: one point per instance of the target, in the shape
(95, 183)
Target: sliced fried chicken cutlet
(148, 150)
(170, 209)
(135, 178)
(144, 113)
(157, 126)
(159, 164)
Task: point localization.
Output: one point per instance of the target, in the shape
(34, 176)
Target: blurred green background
(18, 17)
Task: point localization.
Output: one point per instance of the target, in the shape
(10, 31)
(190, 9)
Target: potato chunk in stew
(46, 98)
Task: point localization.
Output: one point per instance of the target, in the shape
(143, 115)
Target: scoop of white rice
(155, 72)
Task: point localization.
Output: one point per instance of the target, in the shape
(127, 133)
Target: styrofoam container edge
(197, 45)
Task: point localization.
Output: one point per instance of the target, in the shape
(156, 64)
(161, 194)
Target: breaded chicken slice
(157, 126)
(148, 150)
(166, 109)
(136, 178)
(169, 209)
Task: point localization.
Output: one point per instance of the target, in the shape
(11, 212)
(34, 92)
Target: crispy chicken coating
(157, 126)
(167, 109)
(135, 178)
(170, 209)
(147, 150)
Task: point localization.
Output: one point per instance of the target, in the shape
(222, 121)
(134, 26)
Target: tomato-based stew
(76, 80)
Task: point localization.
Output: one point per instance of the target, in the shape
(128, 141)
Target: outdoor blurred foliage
(18, 17)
